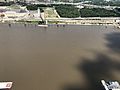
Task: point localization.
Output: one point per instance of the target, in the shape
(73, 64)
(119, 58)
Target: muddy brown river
(61, 57)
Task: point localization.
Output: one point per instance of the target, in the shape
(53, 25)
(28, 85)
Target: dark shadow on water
(113, 41)
(95, 70)
(101, 67)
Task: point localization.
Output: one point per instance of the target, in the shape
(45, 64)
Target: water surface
(59, 58)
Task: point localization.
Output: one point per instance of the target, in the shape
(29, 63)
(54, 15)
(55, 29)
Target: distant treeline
(68, 11)
(6, 3)
(34, 7)
(98, 12)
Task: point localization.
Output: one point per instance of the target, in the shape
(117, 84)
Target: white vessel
(5, 85)
(43, 25)
(110, 85)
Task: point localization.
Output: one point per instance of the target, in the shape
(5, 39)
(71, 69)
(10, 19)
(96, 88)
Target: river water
(70, 57)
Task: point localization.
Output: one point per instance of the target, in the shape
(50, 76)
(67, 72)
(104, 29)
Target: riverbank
(66, 21)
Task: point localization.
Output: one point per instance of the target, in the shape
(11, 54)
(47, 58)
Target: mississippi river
(61, 57)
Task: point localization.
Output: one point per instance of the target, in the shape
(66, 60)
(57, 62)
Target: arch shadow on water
(101, 67)
(113, 41)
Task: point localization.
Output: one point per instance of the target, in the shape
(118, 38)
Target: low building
(13, 13)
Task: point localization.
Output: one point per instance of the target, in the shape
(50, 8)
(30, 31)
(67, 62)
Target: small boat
(43, 25)
(40, 25)
(110, 85)
(118, 26)
(5, 85)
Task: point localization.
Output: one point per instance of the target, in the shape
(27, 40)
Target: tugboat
(5, 85)
(43, 24)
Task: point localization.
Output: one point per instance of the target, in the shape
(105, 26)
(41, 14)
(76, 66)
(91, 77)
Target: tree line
(98, 12)
(68, 11)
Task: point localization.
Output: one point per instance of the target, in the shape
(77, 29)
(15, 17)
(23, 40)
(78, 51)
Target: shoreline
(76, 24)
(85, 22)
(30, 25)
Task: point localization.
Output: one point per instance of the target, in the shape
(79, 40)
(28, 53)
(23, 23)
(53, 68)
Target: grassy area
(49, 13)
(98, 12)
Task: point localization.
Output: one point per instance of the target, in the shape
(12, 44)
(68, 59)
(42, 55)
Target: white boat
(40, 25)
(110, 85)
(5, 85)
(118, 26)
